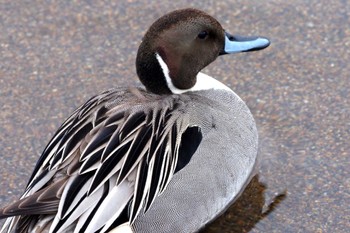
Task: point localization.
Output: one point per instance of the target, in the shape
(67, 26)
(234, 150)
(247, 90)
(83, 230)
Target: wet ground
(53, 56)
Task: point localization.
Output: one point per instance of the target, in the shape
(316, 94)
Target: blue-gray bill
(238, 44)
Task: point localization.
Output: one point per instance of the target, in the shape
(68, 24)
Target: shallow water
(55, 55)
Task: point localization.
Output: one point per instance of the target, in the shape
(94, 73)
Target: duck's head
(180, 44)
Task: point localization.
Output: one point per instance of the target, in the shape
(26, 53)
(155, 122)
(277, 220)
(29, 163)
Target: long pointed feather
(83, 205)
(73, 192)
(131, 123)
(112, 205)
(139, 192)
(108, 168)
(100, 138)
(135, 152)
(85, 219)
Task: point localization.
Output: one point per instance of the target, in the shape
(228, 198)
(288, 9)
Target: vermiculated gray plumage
(222, 164)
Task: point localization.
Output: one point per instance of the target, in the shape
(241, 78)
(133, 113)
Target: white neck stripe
(204, 82)
(165, 70)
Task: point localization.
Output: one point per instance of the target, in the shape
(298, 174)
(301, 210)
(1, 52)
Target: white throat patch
(204, 82)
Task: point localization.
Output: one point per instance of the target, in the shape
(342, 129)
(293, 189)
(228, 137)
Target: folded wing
(107, 163)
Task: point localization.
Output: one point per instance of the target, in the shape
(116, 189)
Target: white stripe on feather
(84, 206)
(40, 183)
(111, 207)
(83, 218)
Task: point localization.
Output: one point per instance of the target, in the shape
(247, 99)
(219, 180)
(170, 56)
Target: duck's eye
(203, 34)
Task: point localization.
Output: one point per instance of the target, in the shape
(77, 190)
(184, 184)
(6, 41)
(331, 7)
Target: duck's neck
(203, 81)
(162, 70)
(151, 74)
(155, 75)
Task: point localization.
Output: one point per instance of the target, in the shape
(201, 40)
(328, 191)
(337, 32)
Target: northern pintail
(170, 158)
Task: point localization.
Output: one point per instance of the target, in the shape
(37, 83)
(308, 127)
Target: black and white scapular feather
(108, 160)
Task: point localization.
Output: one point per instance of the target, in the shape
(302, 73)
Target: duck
(167, 157)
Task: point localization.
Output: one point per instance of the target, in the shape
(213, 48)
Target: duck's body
(167, 161)
(207, 185)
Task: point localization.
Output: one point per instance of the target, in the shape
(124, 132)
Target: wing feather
(115, 159)
(140, 186)
(111, 207)
(83, 204)
(101, 137)
(44, 201)
(135, 153)
(108, 168)
(73, 192)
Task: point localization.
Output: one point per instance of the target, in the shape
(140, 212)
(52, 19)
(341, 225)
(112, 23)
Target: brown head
(180, 44)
